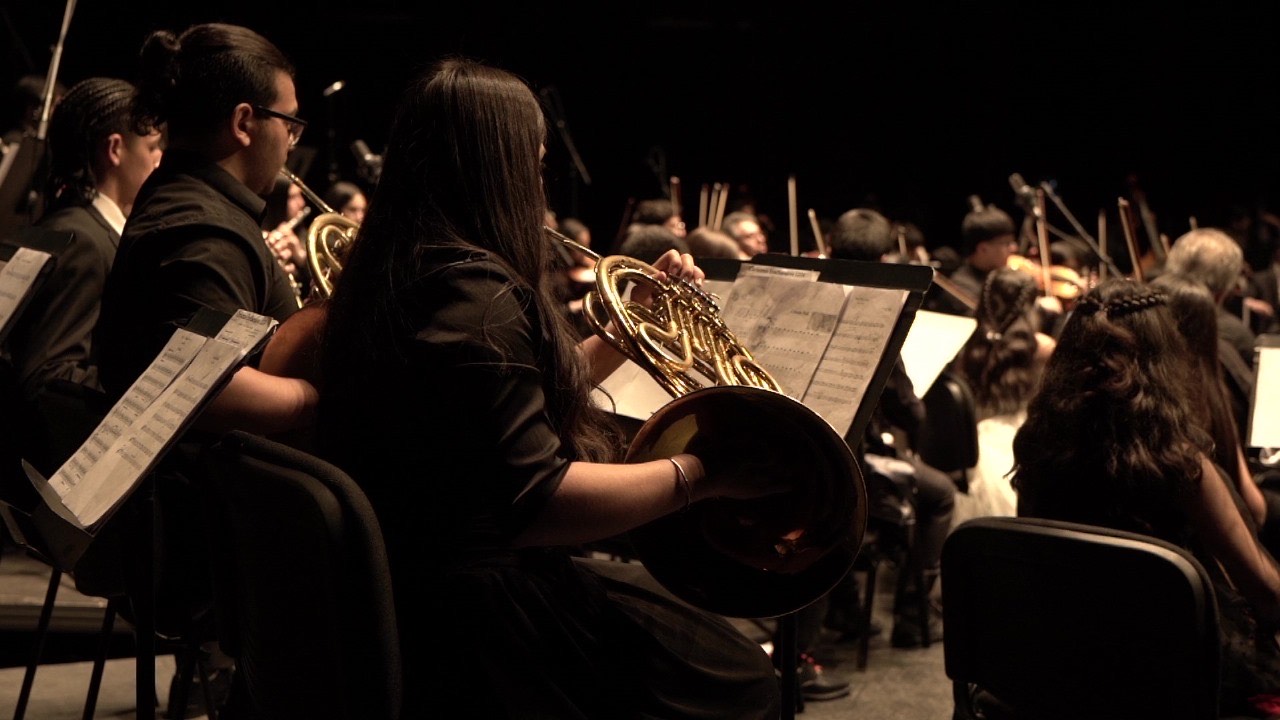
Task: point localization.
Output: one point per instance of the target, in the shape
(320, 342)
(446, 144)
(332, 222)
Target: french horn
(739, 558)
(329, 240)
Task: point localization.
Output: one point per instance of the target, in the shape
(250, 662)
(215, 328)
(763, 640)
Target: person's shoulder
(74, 218)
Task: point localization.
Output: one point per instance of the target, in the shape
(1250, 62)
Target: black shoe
(854, 634)
(196, 706)
(816, 683)
(906, 629)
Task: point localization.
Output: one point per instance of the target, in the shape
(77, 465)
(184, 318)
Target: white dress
(990, 492)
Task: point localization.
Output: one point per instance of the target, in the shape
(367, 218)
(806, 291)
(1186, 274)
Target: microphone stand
(1080, 231)
(332, 135)
(578, 168)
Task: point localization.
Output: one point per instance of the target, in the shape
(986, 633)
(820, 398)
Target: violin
(1064, 283)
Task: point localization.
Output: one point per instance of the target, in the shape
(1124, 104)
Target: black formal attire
(50, 345)
(450, 437)
(192, 241)
(52, 337)
(1232, 329)
(967, 278)
(1263, 285)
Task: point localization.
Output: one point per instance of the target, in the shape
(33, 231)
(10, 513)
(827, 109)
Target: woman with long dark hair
(456, 395)
(1117, 437)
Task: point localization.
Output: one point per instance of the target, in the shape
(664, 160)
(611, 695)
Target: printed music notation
(17, 277)
(149, 416)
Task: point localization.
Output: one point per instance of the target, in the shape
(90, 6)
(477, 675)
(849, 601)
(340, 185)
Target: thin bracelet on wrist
(683, 480)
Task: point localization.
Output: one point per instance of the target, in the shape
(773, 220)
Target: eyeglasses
(295, 124)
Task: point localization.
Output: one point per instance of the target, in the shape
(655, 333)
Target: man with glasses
(193, 241)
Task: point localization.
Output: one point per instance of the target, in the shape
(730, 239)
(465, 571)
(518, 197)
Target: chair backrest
(1061, 620)
(949, 437)
(302, 584)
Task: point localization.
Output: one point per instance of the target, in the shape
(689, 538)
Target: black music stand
(914, 279)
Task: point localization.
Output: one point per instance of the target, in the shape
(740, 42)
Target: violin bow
(1126, 224)
(793, 218)
(1042, 237)
(818, 239)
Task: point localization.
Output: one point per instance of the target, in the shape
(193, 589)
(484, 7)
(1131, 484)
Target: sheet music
(132, 454)
(785, 321)
(151, 413)
(245, 330)
(932, 343)
(1264, 420)
(175, 357)
(16, 277)
(856, 347)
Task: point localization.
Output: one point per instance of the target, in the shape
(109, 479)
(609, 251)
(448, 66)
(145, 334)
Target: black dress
(449, 435)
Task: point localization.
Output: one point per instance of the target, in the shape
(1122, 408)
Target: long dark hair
(1000, 357)
(462, 169)
(1112, 437)
(1196, 315)
(193, 81)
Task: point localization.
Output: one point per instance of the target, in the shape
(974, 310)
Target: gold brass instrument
(740, 558)
(329, 239)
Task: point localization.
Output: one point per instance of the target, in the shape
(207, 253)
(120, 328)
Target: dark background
(907, 106)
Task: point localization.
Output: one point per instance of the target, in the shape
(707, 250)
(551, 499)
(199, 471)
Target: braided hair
(91, 111)
(999, 360)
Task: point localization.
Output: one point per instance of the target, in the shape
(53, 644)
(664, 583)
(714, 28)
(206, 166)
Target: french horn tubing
(739, 558)
(329, 240)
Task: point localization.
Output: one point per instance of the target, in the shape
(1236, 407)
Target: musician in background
(988, 238)
(347, 199)
(97, 165)
(707, 243)
(745, 229)
(1002, 362)
(458, 398)
(866, 235)
(1115, 438)
(28, 103)
(1209, 256)
(659, 211)
(194, 241)
(283, 226)
(647, 243)
(1264, 292)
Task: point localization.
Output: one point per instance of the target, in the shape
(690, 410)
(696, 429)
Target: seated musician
(457, 397)
(1117, 437)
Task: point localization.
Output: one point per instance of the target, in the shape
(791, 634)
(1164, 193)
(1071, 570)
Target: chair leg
(95, 680)
(868, 594)
(789, 656)
(922, 606)
(42, 629)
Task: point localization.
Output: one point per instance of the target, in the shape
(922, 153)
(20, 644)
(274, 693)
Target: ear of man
(243, 124)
